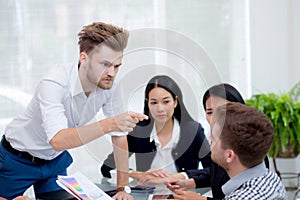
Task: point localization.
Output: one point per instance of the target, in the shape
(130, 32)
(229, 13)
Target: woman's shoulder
(190, 124)
(141, 132)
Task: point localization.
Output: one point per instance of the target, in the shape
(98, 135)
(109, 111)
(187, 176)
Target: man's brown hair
(94, 34)
(245, 130)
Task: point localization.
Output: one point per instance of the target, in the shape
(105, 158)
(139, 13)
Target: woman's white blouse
(163, 158)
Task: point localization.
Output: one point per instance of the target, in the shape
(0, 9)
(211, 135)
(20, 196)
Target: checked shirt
(257, 183)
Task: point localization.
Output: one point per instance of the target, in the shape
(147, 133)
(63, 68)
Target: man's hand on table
(122, 196)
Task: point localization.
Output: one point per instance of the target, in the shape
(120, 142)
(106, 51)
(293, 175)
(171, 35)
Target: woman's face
(161, 104)
(211, 104)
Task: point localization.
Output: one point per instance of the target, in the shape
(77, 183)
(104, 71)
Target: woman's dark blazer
(191, 148)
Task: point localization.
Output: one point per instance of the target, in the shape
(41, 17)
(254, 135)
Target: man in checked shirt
(240, 139)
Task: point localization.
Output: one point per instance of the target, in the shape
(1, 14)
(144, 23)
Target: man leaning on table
(33, 148)
(241, 137)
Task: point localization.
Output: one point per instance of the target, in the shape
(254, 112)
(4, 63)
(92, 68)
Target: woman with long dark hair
(170, 141)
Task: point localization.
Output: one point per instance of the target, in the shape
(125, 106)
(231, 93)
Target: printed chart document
(81, 187)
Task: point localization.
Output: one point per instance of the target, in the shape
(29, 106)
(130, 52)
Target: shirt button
(176, 153)
(183, 169)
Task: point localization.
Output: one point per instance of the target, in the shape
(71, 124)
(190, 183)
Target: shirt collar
(76, 87)
(175, 134)
(235, 182)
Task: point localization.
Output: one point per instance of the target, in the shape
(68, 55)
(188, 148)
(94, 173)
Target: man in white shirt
(33, 148)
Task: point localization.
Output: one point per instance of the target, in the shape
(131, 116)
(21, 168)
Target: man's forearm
(74, 137)
(79, 136)
(121, 159)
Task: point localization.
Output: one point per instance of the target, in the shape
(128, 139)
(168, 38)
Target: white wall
(275, 41)
(275, 47)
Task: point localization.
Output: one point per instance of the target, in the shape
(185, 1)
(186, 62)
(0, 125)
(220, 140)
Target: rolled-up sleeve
(50, 96)
(108, 111)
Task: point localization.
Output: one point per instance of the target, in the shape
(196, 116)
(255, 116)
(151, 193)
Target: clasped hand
(155, 176)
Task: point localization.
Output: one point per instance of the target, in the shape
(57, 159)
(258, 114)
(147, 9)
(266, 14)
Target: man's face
(217, 152)
(102, 66)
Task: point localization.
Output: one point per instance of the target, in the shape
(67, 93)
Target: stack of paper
(81, 187)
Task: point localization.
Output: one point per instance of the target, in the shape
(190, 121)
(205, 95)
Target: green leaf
(283, 111)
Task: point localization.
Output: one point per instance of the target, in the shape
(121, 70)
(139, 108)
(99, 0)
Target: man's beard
(105, 86)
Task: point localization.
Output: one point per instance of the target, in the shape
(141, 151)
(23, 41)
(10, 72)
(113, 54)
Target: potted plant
(284, 112)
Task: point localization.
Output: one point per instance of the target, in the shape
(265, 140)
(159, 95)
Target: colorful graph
(72, 184)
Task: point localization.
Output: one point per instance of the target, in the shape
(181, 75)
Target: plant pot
(289, 152)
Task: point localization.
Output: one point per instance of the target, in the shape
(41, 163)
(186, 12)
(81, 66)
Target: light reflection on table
(159, 189)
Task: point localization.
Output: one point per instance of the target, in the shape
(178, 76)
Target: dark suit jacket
(191, 148)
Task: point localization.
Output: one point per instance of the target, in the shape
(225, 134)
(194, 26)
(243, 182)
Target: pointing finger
(138, 116)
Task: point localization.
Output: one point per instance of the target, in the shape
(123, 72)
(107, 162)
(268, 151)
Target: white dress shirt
(58, 103)
(163, 158)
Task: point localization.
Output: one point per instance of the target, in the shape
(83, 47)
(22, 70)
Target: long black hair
(225, 91)
(167, 83)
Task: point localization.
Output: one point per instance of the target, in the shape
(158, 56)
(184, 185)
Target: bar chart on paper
(81, 187)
